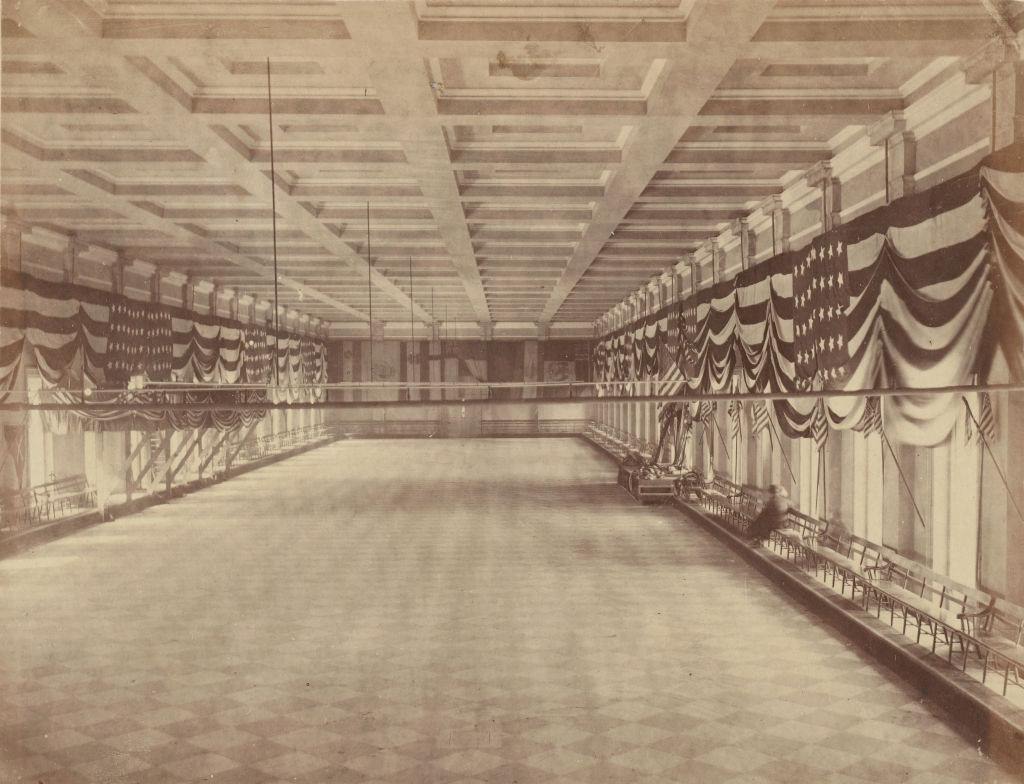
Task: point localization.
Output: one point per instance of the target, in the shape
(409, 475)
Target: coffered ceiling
(531, 161)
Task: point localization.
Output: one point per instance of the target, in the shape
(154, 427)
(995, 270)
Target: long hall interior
(511, 391)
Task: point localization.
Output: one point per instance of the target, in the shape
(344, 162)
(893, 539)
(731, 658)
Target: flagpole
(273, 223)
(369, 284)
(899, 470)
(999, 469)
(412, 322)
(778, 440)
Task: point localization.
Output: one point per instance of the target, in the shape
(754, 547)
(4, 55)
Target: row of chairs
(265, 446)
(976, 625)
(979, 627)
(45, 502)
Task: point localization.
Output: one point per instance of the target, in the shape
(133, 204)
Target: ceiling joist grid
(523, 162)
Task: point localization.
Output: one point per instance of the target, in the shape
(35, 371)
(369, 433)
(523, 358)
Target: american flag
(735, 417)
(819, 425)
(257, 356)
(871, 419)
(820, 299)
(706, 411)
(758, 417)
(139, 342)
(985, 418)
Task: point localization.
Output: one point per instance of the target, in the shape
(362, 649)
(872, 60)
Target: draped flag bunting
(79, 338)
(64, 334)
(921, 292)
(1002, 178)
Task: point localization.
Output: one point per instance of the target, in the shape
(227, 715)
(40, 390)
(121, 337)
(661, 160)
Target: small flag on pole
(986, 420)
(706, 411)
(735, 417)
(819, 425)
(759, 417)
(871, 419)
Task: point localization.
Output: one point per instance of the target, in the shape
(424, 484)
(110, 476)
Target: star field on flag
(820, 298)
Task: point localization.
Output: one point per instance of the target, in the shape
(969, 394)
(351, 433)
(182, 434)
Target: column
(999, 65)
(820, 176)
(780, 217)
(900, 147)
(741, 229)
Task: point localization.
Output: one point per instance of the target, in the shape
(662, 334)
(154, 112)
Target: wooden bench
(795, 539)
(733, 503)
(1001, 634)
(62, 495)
(847, 558)
(936, 605)
(959, 617)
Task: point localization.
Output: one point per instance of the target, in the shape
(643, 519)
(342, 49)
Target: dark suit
(772, 517)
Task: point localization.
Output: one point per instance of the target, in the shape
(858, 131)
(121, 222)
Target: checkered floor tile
(435, 611)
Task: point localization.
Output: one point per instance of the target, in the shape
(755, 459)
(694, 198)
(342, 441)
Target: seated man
(772, 517)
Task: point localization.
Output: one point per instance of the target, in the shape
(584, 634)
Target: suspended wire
(369, 284)
(273, 210)
(823, 481)
(906, 484)
(785, 457)
(725, 445)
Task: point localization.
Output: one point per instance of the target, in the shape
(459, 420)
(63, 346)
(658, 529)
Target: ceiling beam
(717, 36)
(98, 196)
(150, 92)
(403, 85)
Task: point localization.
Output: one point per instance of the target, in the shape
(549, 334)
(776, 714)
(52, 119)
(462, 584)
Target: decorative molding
(979, 66)
(97, 255)
(44, 238)
(890, 123)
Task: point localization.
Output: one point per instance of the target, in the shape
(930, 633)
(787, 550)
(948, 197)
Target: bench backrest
(64, 484)
(864, 552)
(1007, 620)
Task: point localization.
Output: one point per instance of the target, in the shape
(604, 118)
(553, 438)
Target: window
(867, 486)
(963, 485)
(40, 447)
(765, 455)
(808, 476)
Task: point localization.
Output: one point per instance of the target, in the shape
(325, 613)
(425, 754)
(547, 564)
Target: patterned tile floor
(435, 611)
